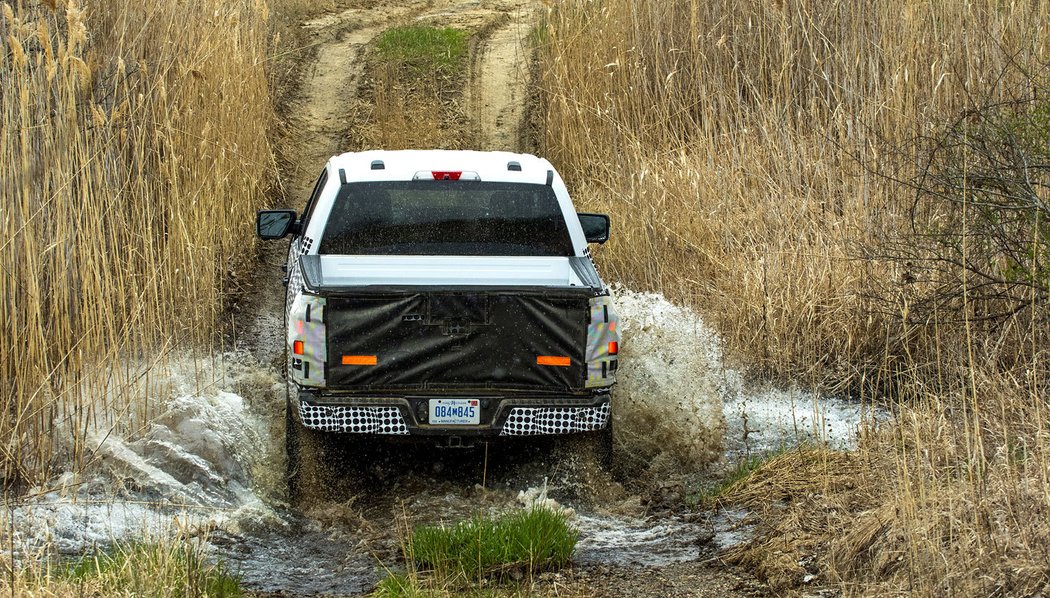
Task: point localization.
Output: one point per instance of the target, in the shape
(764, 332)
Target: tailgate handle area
(458, 310)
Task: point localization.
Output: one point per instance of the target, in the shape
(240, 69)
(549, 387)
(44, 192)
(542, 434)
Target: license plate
(455, 411)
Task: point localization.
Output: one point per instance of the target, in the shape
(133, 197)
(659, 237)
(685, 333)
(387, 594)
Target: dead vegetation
(134, 143)
(855, 194)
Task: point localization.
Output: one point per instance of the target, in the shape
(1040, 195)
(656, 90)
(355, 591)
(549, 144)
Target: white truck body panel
(423, 270)
(378, 354)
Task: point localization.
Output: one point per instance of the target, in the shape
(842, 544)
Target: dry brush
(134, 143)
(783, 166)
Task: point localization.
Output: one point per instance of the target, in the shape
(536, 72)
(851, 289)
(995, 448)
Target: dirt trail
(334, 81)
(498, 91)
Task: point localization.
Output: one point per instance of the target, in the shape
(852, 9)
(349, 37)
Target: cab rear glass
(446, 218)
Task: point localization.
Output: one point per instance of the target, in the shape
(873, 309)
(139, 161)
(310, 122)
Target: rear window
(446, 218)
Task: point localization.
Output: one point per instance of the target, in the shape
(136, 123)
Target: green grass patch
(424, 49)
(526, 541)
(154, 569)
(401, 585)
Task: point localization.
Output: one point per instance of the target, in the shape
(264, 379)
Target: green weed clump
(421, 49)
(526, 541)
(458, 560)
(175, 567)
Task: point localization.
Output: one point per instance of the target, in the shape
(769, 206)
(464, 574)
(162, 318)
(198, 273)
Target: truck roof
(394, 165)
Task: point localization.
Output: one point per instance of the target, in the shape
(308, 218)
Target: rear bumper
(500, 415)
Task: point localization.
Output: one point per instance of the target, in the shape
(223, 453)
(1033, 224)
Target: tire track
(497, 94)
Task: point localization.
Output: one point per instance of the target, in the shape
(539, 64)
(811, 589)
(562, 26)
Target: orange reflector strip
(614, 348)
(359, 360)
(297, 347)
(553, 360)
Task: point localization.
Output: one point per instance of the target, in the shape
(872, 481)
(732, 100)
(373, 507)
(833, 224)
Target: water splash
(196, 462)
(678, 401)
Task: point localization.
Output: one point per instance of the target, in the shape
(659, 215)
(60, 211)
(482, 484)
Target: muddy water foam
(679, 401)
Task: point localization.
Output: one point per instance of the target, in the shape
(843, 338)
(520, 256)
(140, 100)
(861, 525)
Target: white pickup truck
(445, 295)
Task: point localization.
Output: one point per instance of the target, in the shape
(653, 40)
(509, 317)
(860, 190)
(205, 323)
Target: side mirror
(274, 224)
(595, 227)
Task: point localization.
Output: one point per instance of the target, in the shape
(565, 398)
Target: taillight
(297, 347)
(614, 348)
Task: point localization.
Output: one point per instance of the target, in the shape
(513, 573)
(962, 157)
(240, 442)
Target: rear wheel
(305, 450)
(604, 447)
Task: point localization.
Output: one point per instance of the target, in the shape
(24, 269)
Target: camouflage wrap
(353, 420)
(602, 330)
(306, 324)
(532, 421)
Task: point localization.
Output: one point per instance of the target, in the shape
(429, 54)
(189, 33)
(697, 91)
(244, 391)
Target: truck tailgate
(431, 340)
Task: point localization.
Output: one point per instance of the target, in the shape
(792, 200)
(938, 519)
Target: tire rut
(497, 94)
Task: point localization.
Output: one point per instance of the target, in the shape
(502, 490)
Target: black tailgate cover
(432, 340)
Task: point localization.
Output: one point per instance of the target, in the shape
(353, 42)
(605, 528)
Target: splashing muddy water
(212, 463)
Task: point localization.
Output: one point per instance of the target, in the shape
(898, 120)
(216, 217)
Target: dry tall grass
(133, 139)
(736, 135)
(734, 143)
